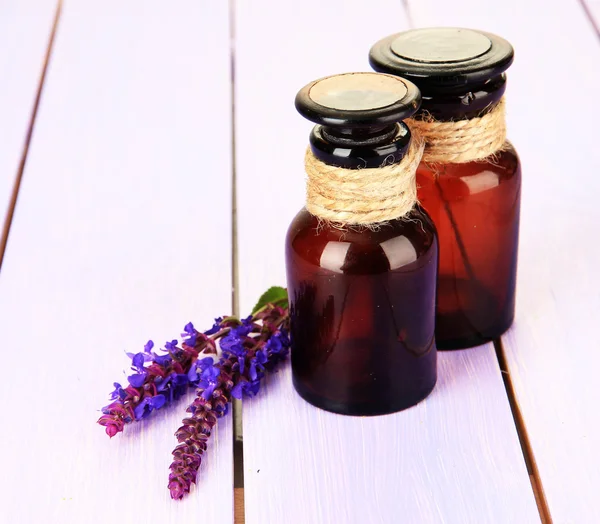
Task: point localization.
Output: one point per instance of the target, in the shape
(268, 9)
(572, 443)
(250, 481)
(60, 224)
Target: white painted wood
(25, 27)
(553, 352)
(122, 232)
(456, 457)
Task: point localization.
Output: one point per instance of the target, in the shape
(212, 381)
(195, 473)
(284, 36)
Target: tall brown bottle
(362, 298)
(475, 205)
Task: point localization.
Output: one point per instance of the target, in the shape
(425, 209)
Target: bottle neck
(359, 148)
(463, 102)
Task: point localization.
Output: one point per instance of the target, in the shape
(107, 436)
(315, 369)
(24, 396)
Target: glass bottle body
(475, 207)
(362, 307)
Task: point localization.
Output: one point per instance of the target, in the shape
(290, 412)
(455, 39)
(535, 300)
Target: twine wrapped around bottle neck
(462, 141)
(362, 196)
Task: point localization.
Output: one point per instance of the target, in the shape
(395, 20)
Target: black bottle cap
(358, 100)
(441, 57)
(360, 117)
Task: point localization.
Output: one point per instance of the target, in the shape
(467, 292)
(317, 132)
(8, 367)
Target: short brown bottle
(362, 297)
(474, 204)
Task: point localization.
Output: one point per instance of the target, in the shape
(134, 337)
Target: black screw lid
(441, 57)
(358, 100)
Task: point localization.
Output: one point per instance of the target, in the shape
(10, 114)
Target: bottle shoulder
(498, 175)
(505, 165)
(401, 244)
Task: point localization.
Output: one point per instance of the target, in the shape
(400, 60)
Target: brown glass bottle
(362, 299)
(474, 205)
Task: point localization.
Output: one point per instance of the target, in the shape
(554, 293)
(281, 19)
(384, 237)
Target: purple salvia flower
(195, 432)
(146, 406)
(173, 386)
(246, 353)
(171, 346)
(161, 360)
(118, 393)
(157, 381)
(190, 335)
(249, 346)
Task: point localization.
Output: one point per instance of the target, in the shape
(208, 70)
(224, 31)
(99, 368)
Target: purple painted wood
(121, 233)
(25, 27)
(552, 351)
(455, 457)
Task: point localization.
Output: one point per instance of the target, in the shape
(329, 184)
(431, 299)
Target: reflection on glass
(482, 181)
(399, 251)
(334, 256)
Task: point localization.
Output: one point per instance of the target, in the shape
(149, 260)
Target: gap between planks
(590, 16)
(532, 469)
(237, 410)
(23, 160)
(238, 506)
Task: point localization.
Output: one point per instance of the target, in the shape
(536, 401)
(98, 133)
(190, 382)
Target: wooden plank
(552, 351)
(25, 28)
(455, 457)
(122, 233)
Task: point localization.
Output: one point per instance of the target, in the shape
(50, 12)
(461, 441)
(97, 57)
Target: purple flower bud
(234, 340)
(148, 347)
(171, 346)
(206, 361)
(118, 393)
(158, 401)
(138, 361)
(252, 388)
(193, 375)
(180, 379)
(210, 373)
(260, 357)
(112, 430)
(209, 389)
(146, 406)
(198, 368)
(274, 344)
(162, 360)
(190, 335)
(216, 327)
(137, 380)
(142, 409)
(236, 391)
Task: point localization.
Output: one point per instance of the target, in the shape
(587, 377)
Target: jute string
(362, 196)
(462, 140)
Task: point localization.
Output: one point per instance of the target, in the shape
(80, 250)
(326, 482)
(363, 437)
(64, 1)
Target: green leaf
(274, 295)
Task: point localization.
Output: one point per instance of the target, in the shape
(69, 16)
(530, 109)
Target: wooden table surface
(150, 162)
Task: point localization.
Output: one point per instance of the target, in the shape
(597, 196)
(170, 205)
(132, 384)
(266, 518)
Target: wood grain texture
(552, 351)
(122, 233)
(456, 457)
(25, 27)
